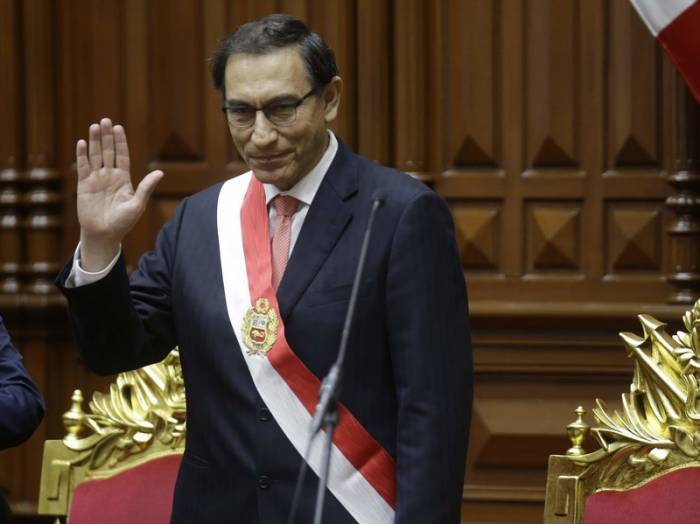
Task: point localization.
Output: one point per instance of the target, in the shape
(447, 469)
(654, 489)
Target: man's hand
(108, 206)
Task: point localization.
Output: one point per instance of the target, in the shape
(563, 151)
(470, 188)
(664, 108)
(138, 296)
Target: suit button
(264, 482)
(264, 414)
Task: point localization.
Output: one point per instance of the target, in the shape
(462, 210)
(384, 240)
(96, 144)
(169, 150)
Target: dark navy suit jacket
(21, 404)
(408, 375)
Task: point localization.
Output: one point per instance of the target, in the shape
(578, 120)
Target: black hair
(275, 32)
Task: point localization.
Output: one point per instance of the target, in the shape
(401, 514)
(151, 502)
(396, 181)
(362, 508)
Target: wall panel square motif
(477, 230)
(634, 235)
(553, 236)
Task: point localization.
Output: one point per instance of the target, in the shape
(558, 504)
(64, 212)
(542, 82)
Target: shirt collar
(305, 190)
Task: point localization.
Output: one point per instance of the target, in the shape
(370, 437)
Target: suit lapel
(328, 216)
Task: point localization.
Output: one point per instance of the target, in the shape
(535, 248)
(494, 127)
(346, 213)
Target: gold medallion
(260, 328)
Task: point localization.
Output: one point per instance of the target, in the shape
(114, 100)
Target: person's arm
(21, 404)
(120, 323)
(431, 353)
(116, 328)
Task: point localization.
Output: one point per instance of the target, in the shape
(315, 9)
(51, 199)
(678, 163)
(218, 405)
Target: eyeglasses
(280, 113)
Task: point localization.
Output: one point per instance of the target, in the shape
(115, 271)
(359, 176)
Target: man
(251, 279)
(21, 404)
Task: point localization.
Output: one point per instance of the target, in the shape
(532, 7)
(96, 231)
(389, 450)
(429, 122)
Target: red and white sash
(362, 473)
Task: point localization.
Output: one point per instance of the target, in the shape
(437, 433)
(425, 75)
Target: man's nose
(264, 132)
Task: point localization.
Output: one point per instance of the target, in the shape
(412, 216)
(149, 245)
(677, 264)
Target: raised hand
(108, 205)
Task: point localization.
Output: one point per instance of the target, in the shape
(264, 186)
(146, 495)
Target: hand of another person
(108, 205)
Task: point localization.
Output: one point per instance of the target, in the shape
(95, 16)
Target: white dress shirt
(304, 191)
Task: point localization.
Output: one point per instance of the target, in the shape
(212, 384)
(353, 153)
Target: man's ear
(331, 98)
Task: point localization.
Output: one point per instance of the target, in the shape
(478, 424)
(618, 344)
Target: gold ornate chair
(647, 469)
(118, 461)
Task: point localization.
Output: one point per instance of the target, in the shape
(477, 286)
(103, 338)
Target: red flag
(676, 25)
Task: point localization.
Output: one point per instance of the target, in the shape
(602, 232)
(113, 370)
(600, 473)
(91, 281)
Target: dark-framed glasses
(280, 113)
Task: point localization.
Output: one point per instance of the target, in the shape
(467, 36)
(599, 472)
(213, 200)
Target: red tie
(285, 206)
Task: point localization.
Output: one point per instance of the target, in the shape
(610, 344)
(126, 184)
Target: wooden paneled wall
(560, 135)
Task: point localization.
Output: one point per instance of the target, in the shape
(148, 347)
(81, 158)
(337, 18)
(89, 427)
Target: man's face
(279, 155)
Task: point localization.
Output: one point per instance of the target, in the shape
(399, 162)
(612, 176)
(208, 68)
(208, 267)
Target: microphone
(378, 197)
(326, 413)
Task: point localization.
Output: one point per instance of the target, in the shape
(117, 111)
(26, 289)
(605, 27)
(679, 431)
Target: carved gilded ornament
(658, 429)
(144, 411)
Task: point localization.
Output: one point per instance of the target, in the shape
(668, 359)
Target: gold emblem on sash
(260, 328)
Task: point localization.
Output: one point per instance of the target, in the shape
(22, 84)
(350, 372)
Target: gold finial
(578, 431)
(73, 418)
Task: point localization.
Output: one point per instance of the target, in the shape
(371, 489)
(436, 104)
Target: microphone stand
(330, 421)
(326, 414)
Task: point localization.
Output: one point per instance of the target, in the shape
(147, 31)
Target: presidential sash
(362, 473)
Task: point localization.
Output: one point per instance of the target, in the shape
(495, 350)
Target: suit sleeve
(431, 355)
(21, 404)
(122, 324)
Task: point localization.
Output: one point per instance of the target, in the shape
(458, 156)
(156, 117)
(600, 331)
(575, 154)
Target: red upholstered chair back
(140, 495)
(119, 460)
(671, 498)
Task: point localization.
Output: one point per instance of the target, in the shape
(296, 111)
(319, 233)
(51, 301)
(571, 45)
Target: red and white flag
(676, 25)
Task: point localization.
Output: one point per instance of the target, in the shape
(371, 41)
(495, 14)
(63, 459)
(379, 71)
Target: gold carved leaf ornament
(144, 408)
(658, 428)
